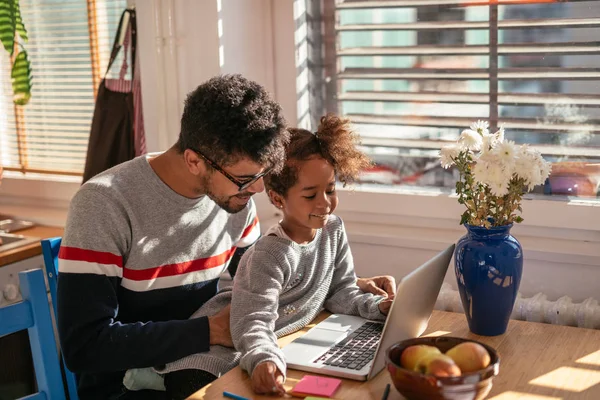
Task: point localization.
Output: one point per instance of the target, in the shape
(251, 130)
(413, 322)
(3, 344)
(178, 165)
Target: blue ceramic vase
(488, 265)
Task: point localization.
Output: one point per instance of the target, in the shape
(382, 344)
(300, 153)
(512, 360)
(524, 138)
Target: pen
(233, 396)
(386, 392)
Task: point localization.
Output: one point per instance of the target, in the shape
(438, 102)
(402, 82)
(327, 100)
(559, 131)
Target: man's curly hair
(335, 141)
(230, 117)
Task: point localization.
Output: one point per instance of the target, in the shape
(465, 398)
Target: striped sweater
(136, 261)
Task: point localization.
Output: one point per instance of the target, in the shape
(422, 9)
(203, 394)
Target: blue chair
(50, 248)
(33, 314)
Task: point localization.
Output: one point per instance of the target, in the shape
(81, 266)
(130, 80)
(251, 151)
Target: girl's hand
(267, 379)
(385, 305)
(378, 285)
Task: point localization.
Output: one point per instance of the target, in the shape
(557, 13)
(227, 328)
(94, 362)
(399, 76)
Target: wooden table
(538, 362)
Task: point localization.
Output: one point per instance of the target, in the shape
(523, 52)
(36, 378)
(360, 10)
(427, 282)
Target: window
(69, 46)
(412, 74)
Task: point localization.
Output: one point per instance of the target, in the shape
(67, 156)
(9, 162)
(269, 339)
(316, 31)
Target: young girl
(301, 265)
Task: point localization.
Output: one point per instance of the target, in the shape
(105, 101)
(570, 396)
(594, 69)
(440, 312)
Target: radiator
(536, 309)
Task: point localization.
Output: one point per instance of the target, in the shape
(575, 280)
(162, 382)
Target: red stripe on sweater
(250, 227)
(100, 257)
(179, 268)
(77, 254)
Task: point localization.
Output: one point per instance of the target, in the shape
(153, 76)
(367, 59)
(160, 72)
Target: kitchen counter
(30, 250)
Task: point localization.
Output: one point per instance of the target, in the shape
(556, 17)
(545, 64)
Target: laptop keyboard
(356, 350)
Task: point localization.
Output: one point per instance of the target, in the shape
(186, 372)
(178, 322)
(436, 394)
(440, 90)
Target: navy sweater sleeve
(235, 259)
(94, 334)
(93, 340)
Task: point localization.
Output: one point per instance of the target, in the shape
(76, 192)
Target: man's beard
(225, 202)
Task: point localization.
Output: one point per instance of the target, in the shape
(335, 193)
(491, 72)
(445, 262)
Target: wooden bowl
(416, 386)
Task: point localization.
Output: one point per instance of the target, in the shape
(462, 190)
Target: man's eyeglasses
(245, 184)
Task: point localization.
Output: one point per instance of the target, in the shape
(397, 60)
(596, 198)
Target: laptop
(354, 348)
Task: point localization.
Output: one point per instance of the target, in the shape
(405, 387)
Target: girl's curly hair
(335, 141)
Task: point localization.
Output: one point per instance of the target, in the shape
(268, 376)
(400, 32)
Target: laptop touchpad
(320, 337)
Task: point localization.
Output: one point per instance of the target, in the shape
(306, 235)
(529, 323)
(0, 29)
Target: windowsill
(539, 211)
(43, 199)
(554, 229)
(11, 175)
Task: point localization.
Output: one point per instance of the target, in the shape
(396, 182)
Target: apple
(412, 354)
(437, 364)
(469, 356)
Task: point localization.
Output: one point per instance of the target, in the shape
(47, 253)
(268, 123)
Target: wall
(185, 42)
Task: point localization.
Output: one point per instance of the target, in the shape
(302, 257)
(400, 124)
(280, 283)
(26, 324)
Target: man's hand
(385, 305)
(219, 328)
(379, 285)
(267, 379)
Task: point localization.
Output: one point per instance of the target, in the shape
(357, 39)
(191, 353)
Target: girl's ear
(276, 199)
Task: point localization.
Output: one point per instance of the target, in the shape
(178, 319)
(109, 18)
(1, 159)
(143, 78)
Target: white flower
(545, 170)
(489, 171)
(448, 154)
(507, 152)
(480, 171)
(470, 140)
(480, 127)
(488, 142)
(531, 166)
(495, 165)
(491, 140)
(500, 134)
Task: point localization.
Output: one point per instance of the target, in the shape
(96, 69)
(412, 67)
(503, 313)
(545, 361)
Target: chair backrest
(50, 248)
(33, 314)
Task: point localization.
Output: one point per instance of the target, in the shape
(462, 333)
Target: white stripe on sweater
(250, 238)
(85, 267)
(166, 282)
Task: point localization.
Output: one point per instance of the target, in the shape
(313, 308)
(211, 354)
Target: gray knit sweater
(279, 288)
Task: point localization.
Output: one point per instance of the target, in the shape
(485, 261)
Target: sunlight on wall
(302, 84)
(103, 36)
(220, 30)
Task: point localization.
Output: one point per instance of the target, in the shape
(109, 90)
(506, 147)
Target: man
(146, 241)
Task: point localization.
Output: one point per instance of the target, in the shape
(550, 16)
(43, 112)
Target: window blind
(69, 46)
(411, 74)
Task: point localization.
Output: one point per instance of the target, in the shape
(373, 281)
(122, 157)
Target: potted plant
(488, 261)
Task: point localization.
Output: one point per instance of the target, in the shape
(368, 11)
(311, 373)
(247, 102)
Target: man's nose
(257, 187)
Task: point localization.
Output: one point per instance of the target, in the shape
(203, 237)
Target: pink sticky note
(317, 385)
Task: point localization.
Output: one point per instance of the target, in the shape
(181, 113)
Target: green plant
(11, 29)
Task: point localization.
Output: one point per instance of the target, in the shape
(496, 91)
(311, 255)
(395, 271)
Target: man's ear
(276, 199)
(194, 162)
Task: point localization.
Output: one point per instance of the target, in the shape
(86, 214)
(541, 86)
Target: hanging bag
(112, 135)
